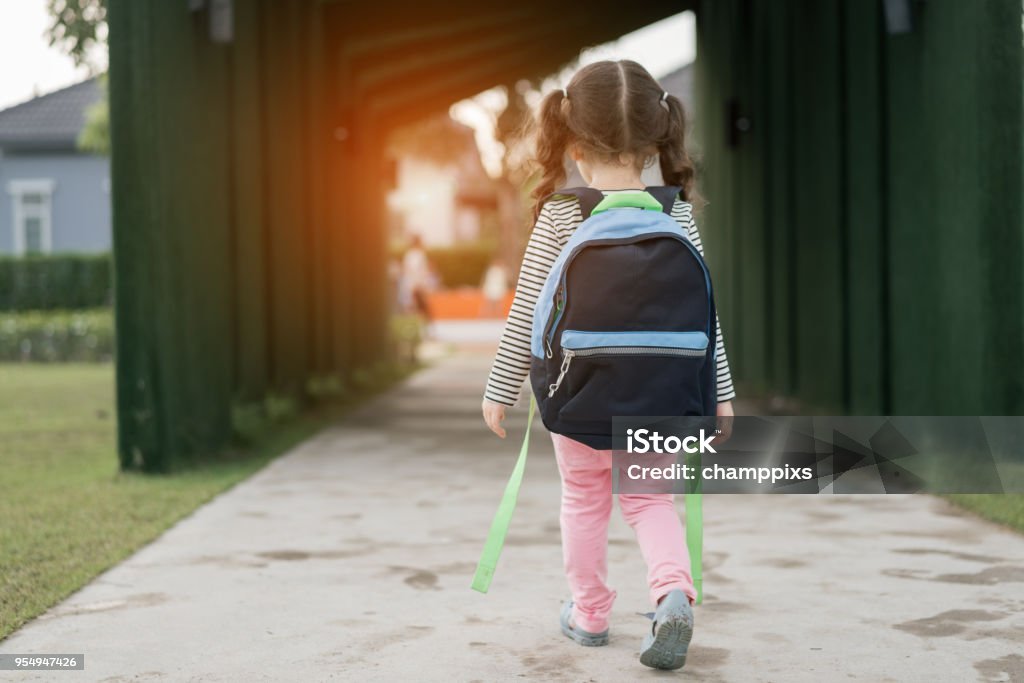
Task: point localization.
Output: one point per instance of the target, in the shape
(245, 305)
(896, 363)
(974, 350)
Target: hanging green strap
(695, 530)
(503, 517)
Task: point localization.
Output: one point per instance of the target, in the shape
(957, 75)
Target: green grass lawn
(66, 512)
(1008, 508)
(1005, 508)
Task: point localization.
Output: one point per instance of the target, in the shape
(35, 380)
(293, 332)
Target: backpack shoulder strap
(665, 194)
(588, 197)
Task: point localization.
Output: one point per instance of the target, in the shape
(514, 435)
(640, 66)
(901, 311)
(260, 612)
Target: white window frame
(17, 189)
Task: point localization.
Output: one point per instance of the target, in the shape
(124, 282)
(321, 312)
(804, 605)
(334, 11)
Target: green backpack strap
(503, 517)
(695, 530)
(638, 199)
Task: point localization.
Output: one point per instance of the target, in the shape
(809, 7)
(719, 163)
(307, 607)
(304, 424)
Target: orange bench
(465, 303)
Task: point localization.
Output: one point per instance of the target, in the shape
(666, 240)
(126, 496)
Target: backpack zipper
(555, 314)
(569, 354)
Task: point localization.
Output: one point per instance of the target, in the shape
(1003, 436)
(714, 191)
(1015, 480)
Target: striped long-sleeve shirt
(556, 223)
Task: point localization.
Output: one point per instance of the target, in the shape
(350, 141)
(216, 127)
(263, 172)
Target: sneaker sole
(584, 638)
(671, 643)
(586, 641)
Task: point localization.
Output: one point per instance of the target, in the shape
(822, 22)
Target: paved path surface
(350, 559)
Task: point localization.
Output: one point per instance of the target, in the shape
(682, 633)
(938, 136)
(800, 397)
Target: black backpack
(625, 323)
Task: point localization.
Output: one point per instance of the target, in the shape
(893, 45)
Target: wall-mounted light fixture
(899, 15)
(737, 123)
(220, 18)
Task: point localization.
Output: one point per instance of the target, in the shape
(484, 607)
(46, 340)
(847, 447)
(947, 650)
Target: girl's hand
(725, 417)
(494, 414)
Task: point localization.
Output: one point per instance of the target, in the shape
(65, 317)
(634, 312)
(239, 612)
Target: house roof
(49, 121)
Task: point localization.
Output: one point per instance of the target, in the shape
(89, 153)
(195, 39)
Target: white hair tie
(664, 99)
(565, 93)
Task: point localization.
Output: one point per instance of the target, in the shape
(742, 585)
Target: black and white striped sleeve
(512, 362)
(683, 213)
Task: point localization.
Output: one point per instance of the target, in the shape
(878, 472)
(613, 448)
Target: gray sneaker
(579, 635)
(666, 645)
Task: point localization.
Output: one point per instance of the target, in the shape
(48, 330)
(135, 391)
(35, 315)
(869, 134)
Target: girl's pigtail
(676, 166)
(551, 141)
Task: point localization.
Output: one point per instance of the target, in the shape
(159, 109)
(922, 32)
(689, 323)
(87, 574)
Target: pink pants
(586, 508)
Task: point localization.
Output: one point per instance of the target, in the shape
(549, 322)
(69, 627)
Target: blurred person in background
(418, 280)
(400, 302)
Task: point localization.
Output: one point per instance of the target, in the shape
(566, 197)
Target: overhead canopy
(400, 61)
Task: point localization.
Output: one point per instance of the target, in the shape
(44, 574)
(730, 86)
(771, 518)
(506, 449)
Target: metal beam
(417, 89)
(391, 59)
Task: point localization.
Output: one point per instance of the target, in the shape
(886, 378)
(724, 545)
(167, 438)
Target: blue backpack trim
(585, 339)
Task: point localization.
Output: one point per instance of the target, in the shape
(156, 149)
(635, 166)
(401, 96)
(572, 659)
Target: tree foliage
(95, 134)
(77, 26)
(512, 128)
(438, 139)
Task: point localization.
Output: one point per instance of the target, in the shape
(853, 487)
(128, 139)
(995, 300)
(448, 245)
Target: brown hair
(610, 109)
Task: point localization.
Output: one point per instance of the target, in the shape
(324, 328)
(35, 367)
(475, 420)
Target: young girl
(613, 120)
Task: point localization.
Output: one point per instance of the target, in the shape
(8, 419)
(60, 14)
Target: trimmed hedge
(52, 282)
(462, 265)
(57, 336)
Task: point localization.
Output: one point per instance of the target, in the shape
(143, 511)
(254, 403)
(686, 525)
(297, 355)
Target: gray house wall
(80, 203)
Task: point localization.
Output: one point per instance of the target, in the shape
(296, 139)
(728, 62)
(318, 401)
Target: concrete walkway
(350, 559)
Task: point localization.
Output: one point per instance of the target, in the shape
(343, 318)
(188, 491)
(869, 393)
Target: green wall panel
(867, 232)
(865, 228)
(173, 295)
(219, 221)
(817, 221)
(249, 219)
